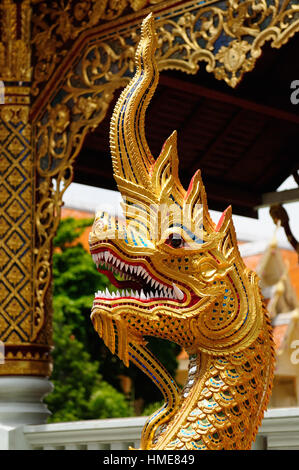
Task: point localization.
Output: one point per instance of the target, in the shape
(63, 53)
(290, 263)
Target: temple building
(279, 272)
(229, 84)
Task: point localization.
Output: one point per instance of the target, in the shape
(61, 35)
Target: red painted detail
(191, 184)
(117, 283)
(220, 221)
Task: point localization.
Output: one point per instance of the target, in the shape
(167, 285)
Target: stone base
(21, 400)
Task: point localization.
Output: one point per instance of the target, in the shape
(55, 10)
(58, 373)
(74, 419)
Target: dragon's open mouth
(133, 280)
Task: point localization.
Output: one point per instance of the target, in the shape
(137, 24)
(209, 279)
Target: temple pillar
(25, 336)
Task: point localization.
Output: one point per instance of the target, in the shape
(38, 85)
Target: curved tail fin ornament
(131, 156)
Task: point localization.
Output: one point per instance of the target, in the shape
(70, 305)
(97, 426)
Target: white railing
(102, 434)
(279, 431)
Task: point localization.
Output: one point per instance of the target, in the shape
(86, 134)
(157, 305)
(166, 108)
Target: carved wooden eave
(226, 35)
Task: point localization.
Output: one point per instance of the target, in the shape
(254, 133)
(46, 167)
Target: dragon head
(179, 275)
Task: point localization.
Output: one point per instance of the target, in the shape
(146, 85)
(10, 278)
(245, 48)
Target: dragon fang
(179, 277)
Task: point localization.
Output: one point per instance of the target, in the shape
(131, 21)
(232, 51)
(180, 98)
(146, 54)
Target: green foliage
(166, 352)
(74, 376)
(107, 402)
(78, 383)
(69, 230)
(79, 390)
(76, 279)
(152, 407)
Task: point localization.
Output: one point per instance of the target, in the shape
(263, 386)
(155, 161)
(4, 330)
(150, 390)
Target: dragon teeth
(177, 292)
(134, 294)
(123, 269)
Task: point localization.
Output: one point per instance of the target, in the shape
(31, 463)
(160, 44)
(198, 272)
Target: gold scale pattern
(16, 225)
(219, 317)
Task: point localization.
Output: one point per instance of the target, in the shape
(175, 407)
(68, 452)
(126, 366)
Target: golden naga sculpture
(180, 277)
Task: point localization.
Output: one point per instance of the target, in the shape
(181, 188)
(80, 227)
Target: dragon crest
(179, 277)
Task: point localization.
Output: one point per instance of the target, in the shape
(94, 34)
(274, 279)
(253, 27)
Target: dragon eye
(175, 241)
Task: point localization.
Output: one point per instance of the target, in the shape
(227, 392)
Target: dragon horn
(131, 156)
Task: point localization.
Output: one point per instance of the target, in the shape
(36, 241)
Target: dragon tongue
(177, 292)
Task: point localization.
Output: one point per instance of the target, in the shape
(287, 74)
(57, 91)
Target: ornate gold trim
(15, 51)
(26, 349)
(56, 25)
(228, 36)
(26, 336)
(24, 366)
